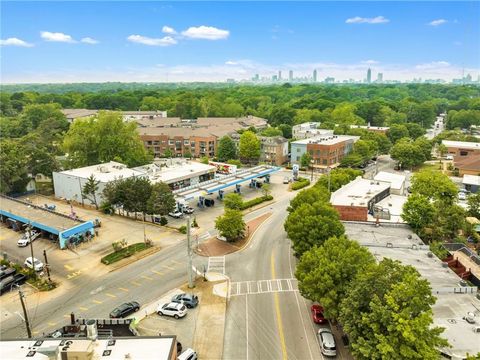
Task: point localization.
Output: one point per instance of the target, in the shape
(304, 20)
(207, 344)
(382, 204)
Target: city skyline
(214, 42)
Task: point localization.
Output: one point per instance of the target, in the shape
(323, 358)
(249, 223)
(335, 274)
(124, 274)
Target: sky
(90, 41)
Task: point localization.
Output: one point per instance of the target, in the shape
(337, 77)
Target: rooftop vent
(470, 318)
(92, 333)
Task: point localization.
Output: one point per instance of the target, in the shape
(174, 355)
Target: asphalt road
(267, 319)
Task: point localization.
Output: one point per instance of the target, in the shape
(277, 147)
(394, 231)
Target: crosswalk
(262, 287)
(216, 264)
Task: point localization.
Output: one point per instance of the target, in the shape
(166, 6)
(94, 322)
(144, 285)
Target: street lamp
(328, 172)
(311, 163)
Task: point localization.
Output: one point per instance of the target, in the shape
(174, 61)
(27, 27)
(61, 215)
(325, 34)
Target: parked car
(9, 282)
(34, 263)
(189, 300)
(188, 210)
(173, 309)
(286, 180)
(317, 314)
(449, 157)
(327, 342)
(5, 271)
(188, 354)
(124, 310)
(25, 239)
(462, 196)
(175, 214)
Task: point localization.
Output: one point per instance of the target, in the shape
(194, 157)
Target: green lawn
(124, 253)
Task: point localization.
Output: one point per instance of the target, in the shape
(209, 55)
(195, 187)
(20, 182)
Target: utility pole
(46, 265)
(27, 322)
(29, 231)
(189, 254)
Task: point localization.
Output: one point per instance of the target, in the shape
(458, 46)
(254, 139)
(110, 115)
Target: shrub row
(124, 253)
(256, 201)
(300, 183)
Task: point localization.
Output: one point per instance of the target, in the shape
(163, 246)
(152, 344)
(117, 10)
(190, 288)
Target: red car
(317, 314)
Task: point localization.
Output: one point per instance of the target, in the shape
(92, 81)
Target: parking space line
(66, 316)
(83, 308)
(97, 301)
(136, 283)
(157, 272)
(52, 323)
(111, 295)
(123, 289)
(68, 267)
(146, 277)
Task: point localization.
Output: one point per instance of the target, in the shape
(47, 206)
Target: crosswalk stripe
(111, 295)
(262, 286)
(123, 289)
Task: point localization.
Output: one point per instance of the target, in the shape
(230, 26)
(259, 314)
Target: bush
(163, 221)
(106, 208)
(256, 201)
(439, 250)
(300, 183)
(123, 253)
(235, 162)
(183, 229)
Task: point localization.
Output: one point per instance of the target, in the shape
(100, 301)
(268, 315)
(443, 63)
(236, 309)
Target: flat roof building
(375, 129)
(309, 130)
(355, 200)
(73, 114)
(397, 181)
(471, 182)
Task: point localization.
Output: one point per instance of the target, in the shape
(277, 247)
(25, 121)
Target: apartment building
(309, 130)
(197, 137)
(325, 151)
(273, 150)
(73, 114)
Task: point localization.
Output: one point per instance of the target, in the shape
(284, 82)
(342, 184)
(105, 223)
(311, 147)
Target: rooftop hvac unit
(470, 318)
(92, 333)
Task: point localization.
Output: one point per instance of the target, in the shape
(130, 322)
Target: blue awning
(77, 229)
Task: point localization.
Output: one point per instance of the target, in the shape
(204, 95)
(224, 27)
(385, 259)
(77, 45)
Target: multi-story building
(73, 114)
(195, 137)
(325, 151)
(309, 130)
(462, 148)
(273, 150)
(375, 129)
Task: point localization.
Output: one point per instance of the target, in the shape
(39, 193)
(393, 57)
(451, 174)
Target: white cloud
(89, 40)
(433, 65)
(229, 62)
(205, 32)
(370, 62)
(165, 41)
(168, 30)
(362, 20)
(437, 22)
(56, 37)
(15, 42)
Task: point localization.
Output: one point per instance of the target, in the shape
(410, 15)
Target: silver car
(327, 342)
(175, 310)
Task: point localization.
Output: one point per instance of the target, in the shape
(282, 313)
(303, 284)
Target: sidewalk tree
(473, 202)
(231, 225)
(325, 273)
(309, 196)
(161, 200)
(418, 211)
(249, 147)
(233, 201)
(226, 149)
(167, 153)
(434, 185)
(397, 132)
(387, 314)
(138, 192)
(266, 189)
(425, 146)
(338, 178)
(305, 160)
(407, 153)
(310, 225)
(90, 189)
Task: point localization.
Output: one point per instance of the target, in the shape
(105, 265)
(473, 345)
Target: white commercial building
(69, 184)
(308, 130)
(397, 181)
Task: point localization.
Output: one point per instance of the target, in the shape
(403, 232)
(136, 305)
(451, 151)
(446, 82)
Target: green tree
(387, 314)
(325, 273)
(418, 211)
(352, 160)
(104, 138)
(90, 189)
(33, 115)
(449, 219)
(266, 190)
(226, 149)
(425, 146)
(473, 202)
(286, 130)
(407, 153)
(168, 153)
(305, 160)
(434, 185)
(338, 178)
(309, 196)
(233, 201)
(397, 132)
(231, 225)
(271, 131)
(249, 147)
(161, 200)
(14, 174)
(311, 224)
(415, 130)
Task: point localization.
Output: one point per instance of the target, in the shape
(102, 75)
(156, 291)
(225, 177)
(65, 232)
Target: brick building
(356, 199)
(325, 151)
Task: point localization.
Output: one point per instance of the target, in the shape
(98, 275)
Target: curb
(258, 207)
(253, 234)
(154, 250)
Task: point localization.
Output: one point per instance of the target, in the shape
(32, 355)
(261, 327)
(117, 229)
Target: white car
(176, 310)
(188, 354)
(462, 196)
(24, 240)
(327, 342)
(36, 264)
(176, 214)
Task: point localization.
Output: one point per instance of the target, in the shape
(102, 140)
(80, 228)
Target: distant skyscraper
(279, 75)
(274, 78)
(369, 76)
(380, 78)
(290, 75)
(315, 75)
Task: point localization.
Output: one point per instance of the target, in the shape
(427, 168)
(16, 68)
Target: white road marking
(246, 320)
(216, 264)
(258, 287)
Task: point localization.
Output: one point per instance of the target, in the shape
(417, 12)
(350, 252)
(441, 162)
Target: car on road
(8, 283)
(173, 309)
(189, 300)
(188, 354)
(462, 196)
(327, 342)
(286, 180)
(175, 214)
(124, 310)
(188, 210)
(34, 263)
(25, 239)
(317, 314)
(5, 271)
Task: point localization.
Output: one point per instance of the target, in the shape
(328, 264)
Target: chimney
(72, 318)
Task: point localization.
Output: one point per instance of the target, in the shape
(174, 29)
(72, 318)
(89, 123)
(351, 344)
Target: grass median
(124, 253)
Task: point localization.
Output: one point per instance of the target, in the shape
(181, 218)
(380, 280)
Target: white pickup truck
(25, 240)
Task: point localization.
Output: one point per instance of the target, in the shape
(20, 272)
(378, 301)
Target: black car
(125, 309)
(8, 283)
(189, 300)
(6, 272)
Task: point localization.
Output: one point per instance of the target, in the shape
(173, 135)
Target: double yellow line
(277, 310)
